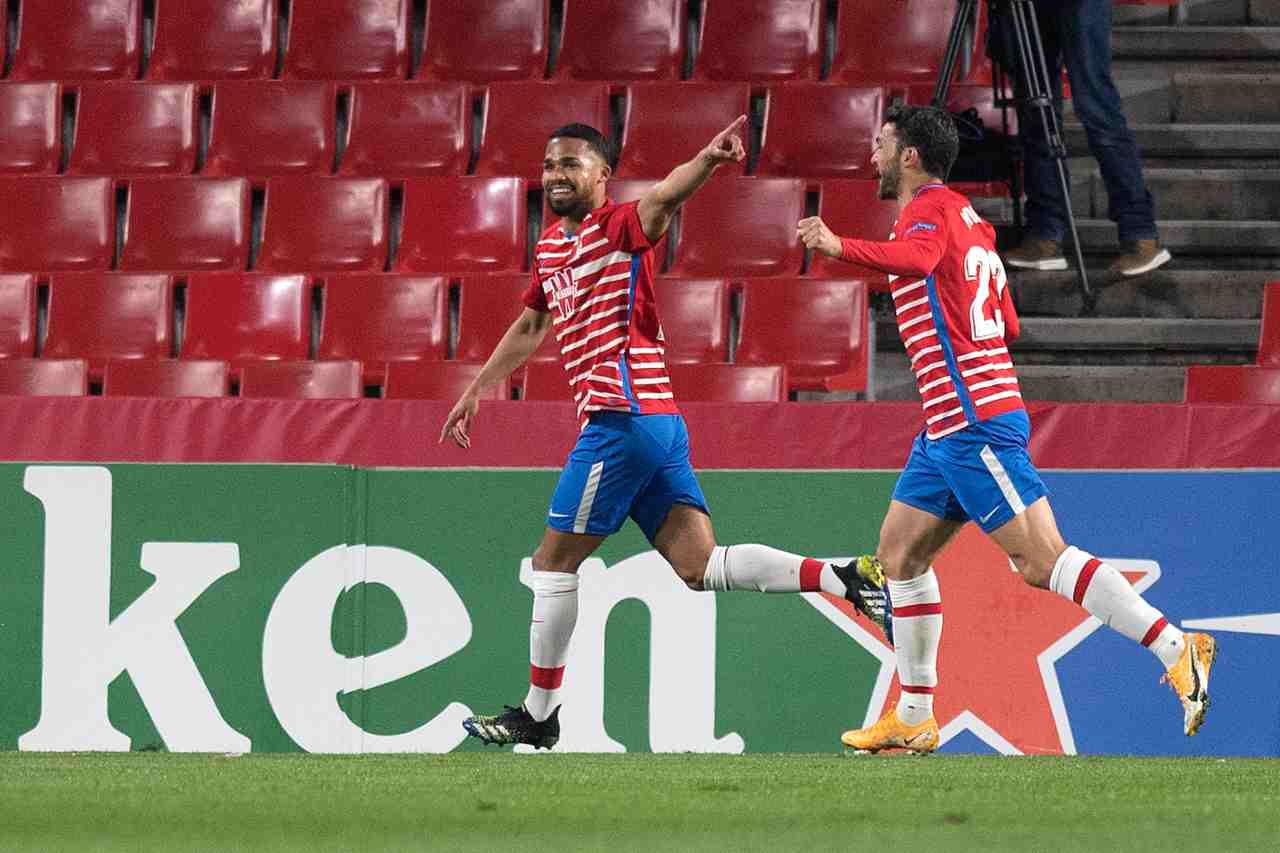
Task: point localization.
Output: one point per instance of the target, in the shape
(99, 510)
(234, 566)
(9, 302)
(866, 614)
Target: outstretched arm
(659, 204)
(519, 342)
(917, 254)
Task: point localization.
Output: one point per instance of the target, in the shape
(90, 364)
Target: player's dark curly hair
(598, 142)
(930, 131)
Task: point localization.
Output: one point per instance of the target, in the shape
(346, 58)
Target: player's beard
(575, 206)
(889, 180)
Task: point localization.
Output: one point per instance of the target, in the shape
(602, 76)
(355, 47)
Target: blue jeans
(1078, 33)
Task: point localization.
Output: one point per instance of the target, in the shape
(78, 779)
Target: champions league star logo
(1001, 641)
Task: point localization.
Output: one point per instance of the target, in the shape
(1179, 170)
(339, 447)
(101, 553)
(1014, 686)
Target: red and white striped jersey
(955, 313)
(598, 286)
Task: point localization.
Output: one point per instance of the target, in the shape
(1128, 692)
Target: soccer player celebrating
(593, 284)
(955, 316)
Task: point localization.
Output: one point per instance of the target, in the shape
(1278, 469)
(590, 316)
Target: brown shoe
(1037, 255)
(1140, 256)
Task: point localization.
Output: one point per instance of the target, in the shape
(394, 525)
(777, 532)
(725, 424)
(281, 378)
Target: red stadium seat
(817, 328)
(348, 40)
(56, 223)
(187, 224)
(109, 316)
(337, 224)
(668, 123)
(729, 383)
(485, 40)
(303, 380)
(803, 119)
(854, 209)
(901, 42)
(464, 225)
(408, 130)
(695, 319)
(30, 127)
(135, 129)
(763, 41)
(545, 380)
(1248, 383)
(246, 317)
(17, 316)
(75, 40)
(488, 306)
(262, 129)
(377, 319)
(643, 40)
(444, 380)
(213, 40)
(39, 377)
(741, 227)
(1269, 342)
(520, 116)
(621, 192)
(166, 378)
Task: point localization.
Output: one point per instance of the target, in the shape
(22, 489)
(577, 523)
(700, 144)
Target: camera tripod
(1017, 19)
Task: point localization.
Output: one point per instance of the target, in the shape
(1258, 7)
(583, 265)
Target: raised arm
(917, 254)
(659, 204)
(522, 338)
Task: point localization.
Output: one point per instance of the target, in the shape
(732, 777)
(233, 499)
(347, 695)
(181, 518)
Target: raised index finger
(735, 127)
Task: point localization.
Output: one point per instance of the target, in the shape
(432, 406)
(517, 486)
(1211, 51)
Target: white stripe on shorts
(1001, 476)
(588, 498)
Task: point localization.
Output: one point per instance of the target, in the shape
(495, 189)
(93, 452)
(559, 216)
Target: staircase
(1201, 89)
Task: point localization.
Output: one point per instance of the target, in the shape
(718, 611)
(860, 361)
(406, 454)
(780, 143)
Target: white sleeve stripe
(934, 384)
(902, 327)
(933, 420)
(665, 395)
(925, 352)
(993, 397)
(657, 380)
(909, 288)
(925, 334)
(930, 367)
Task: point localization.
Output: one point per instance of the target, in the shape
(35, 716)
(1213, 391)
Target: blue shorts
(981, 473)
(625, 465)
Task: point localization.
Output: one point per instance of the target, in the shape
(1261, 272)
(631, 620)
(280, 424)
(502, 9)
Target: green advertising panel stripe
(278, 608)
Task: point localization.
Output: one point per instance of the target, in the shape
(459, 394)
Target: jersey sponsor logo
(560, 286)
(921, 226)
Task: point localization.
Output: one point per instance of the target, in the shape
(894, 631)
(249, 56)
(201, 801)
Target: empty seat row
(817, 328)
(68, 223)
(732, 227)
(444, 381)
(270, 128)
(481, 40)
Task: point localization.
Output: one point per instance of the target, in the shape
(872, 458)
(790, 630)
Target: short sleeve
(534, 296)
(623, 228)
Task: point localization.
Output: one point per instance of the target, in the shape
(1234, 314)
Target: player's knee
(899, 562)
(552, 560)
(1035, 572)
(691, 573)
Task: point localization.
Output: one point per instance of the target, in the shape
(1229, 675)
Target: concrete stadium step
(1191, 140)
(1117, 334)
(1192, 236)
(893, 380)
(1191, 42)
(1219, 12)
(1192, 293)
(1154, 91)
(1226, 98)
(1205, 194)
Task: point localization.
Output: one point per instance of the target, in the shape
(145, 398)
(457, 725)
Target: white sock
(764, 569)
(555, 612)
(1106, 594)
(917, 631)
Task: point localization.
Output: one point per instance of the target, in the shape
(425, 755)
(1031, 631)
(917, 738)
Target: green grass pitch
(495, 800)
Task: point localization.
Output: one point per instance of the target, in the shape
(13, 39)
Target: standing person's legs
(1046, 213)
(1085, 34)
